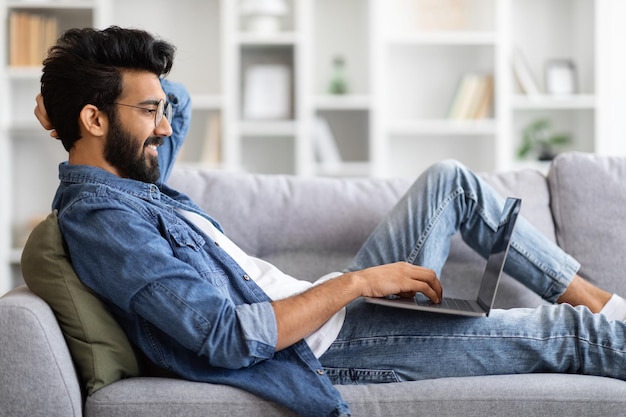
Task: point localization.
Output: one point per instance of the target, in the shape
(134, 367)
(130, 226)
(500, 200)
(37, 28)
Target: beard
(127, 154)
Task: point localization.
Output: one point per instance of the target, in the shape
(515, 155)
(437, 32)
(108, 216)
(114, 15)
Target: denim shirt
(180, 298)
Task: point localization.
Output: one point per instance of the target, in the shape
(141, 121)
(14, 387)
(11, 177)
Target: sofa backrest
(311, 226)
(306, 226)
(589, 206)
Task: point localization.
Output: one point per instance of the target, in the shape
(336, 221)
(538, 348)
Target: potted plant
(538, 137)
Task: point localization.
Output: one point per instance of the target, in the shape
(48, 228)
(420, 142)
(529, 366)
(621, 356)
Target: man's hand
(400, 278)
(42, 115)
(300, 315)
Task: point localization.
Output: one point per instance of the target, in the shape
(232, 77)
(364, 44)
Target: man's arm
(178, 98)
(300, 315)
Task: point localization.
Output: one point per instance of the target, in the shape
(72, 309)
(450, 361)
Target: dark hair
(85, 67)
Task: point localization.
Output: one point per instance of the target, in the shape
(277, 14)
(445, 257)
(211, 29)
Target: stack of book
(473, 98)
(30, 36)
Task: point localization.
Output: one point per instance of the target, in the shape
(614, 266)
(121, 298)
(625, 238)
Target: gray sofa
(316, 225)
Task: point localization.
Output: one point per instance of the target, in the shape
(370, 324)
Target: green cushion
(98, 345)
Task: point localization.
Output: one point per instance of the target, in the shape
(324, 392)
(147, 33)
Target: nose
(164, 128)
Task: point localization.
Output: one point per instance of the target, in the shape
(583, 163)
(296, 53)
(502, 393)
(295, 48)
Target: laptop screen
(499, 250)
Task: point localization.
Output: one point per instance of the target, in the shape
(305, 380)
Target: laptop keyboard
(449, 303)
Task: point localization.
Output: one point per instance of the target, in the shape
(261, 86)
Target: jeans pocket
(356, 376)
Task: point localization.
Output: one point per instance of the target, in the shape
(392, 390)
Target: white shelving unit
(29, 157)
(422, 68)
(402, 77)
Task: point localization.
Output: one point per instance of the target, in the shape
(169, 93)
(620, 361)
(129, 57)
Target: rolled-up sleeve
(229, 336)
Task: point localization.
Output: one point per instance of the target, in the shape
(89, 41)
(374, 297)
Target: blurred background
(379, 88)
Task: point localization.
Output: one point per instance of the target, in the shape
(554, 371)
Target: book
(30, 36)
(473, 97)
(211, 153)
(523, 74)
(325, 145)
(461, 96)
(484, 105)
(441, 15)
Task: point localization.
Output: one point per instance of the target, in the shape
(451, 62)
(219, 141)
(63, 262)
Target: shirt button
(246, 277)
(320, 372)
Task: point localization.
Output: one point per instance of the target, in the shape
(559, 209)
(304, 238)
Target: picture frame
(560, 77)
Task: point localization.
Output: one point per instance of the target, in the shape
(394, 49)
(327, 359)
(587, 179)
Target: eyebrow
(148, 102)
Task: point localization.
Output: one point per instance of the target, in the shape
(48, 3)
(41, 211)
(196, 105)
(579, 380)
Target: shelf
(542, 102)
(280, 38)
(32, 73)
(342, 102)
(50, 4)
(26, 128)
(268, 128)
(202, 165)
(344, 169)
(444, 38)
(443, 127)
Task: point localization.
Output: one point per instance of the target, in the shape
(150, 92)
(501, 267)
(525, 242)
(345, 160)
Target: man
(198, 306)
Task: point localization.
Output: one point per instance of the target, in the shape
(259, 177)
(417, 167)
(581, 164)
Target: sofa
(310, 226)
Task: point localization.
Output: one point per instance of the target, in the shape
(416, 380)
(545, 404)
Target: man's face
(128, 153)
(132, 138)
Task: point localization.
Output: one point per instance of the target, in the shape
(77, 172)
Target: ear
(93, 121)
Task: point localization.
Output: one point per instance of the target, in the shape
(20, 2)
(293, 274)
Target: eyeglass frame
(163, 109)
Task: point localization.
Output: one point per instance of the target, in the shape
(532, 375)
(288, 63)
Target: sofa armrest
(37, 376)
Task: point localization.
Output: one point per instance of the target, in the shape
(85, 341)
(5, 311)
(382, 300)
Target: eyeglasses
(163, 110)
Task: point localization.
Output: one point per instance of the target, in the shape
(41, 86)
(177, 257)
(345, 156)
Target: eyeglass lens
(163, 110)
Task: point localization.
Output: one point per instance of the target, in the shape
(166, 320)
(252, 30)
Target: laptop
(481, 306)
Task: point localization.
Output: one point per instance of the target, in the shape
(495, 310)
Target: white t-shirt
(275, 283)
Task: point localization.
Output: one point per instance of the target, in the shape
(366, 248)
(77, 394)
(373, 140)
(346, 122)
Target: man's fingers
(427, 282)
(400, 278)
(414, 279)
(434, 294)
(42, 116)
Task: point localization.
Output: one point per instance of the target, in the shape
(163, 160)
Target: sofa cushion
(100, 349)
(588, 201)
(498, 395)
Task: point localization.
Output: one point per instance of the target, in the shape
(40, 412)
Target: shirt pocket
(188, 246)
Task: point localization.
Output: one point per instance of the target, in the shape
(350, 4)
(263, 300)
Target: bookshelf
(403, 62)
(29, 157)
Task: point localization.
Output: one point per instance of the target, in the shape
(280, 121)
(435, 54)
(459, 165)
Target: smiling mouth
(151, 146)
(153, 142)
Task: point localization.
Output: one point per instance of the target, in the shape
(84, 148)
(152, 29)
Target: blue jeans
(379, 344)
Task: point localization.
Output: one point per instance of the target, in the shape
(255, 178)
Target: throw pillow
(99, 347)
(588, 198)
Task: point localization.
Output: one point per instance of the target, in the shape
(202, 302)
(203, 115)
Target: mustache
(153, 140)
